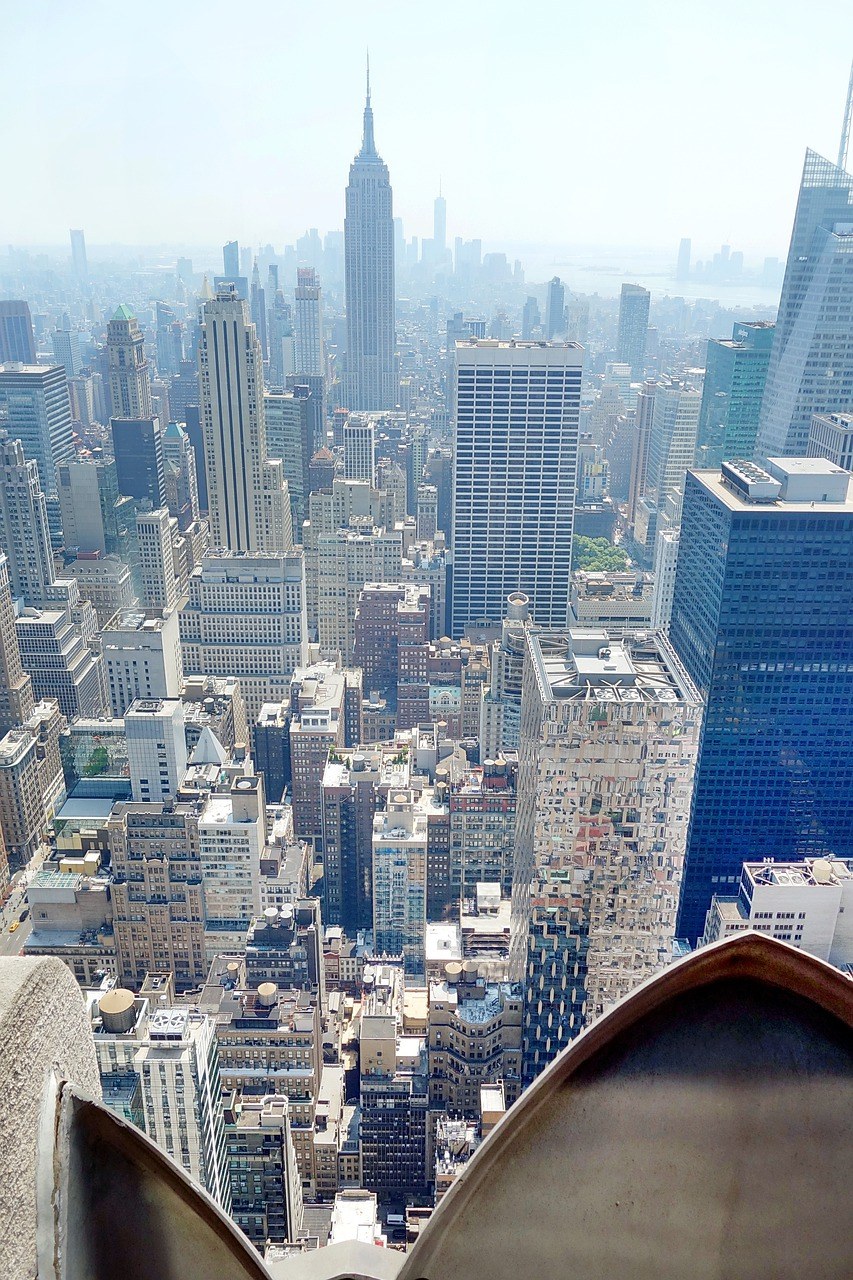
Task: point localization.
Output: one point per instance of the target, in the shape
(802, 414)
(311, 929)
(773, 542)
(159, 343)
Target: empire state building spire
(368, 146)
(371, 382)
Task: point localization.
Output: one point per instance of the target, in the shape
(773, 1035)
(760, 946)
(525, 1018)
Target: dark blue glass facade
(763, 620)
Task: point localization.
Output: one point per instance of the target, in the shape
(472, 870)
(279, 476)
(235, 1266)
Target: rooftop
(813, 872)
(789, 486)
(587, 665)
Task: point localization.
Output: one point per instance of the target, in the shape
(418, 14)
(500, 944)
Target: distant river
(604, 271)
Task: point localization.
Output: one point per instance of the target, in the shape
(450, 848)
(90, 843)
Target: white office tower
(130, 383)
(231, 839)
(359, 449)
(608, 746)
(24, 532)
(178, 1066)
(831, 437)
(309, 323)
(808, 904)
(142, 658)
(245, 617)
(515, 478)
(159, 574)
(247, 495)
(371, 381)
(156, 748)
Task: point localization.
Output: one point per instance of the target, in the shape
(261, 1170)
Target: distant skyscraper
(309, 323)
(516, 478)
(282, 342)
(231, 260)
(682, 268)
(78, 256)
(439, 224)
(290, 437)
(66, 351)
(247, 495)
(761, 620)
(369, 270)
(16, 333)
(259, 309)
(555, 309)
(735, 374)
(811, 363)
(633, 323)
(530, 319)
(130, 384)
(38, 412)
(138, 452)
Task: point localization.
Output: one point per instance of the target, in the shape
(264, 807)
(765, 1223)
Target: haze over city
(621, 125)
(426, 661)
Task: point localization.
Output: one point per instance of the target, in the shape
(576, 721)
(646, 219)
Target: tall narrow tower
(309, 322)
(247, 495)
(130, 384)
(439, 224)
(369, 270)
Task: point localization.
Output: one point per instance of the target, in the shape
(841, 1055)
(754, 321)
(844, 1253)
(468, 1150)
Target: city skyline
(411, 647)
(277, 184)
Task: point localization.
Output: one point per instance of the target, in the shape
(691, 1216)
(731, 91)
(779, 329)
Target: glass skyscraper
(811, 364)
(762, 619)
(735, 376)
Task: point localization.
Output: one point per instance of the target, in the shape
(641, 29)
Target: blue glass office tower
(762, 618)
(735, 376)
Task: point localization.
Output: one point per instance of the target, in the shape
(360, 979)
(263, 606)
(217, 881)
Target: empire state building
(371, 382)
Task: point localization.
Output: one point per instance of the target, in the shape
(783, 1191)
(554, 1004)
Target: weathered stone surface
(43, 1028)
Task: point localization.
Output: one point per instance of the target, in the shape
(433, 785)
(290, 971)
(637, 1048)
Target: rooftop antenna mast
(845, 128)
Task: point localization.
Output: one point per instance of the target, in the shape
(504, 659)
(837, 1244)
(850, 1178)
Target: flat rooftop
(588, 665)
(806, 480)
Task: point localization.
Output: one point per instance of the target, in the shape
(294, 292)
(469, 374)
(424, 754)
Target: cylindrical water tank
(117, 1010)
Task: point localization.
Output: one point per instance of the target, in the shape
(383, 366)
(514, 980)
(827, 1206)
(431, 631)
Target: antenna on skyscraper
(368, 77)
(845, 128)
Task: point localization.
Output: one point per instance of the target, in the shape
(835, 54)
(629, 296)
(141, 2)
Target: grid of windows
(515, 479)
(761, 619)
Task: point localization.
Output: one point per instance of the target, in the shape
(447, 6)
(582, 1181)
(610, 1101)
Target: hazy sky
(619, 123)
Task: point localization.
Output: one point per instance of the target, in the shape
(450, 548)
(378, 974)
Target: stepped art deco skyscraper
(369, 268)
